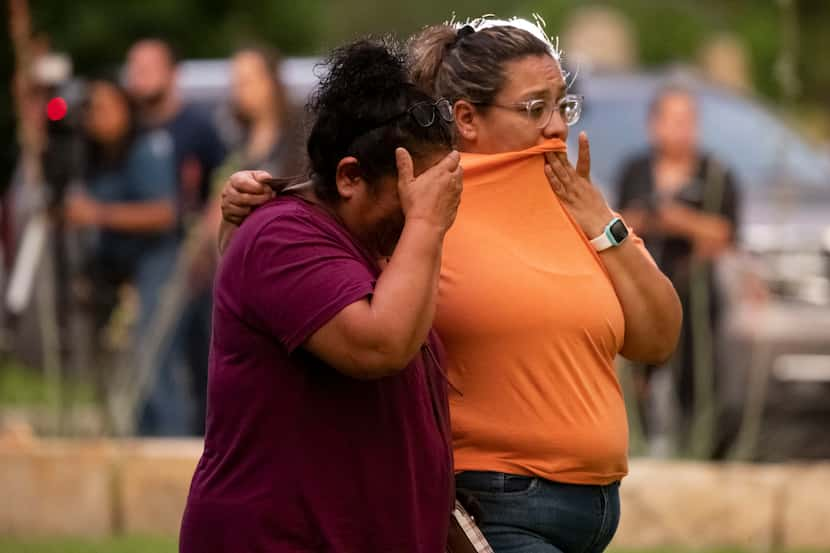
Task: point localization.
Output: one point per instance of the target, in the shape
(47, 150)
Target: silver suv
(774, 390)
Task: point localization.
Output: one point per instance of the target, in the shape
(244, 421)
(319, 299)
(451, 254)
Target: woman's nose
(556, 127)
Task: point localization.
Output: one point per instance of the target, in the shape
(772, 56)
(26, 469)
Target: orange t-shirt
(531, 324)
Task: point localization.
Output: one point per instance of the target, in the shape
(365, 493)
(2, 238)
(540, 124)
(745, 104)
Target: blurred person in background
(328, 425)
(536, 300)
(685, 204)
(271, 141)
(129, 204)
(151, 81)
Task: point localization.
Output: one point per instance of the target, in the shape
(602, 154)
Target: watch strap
(602, 242)
(606, 240)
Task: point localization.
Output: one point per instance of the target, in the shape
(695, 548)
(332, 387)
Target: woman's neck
(264, 134)
(343, 215)
(112, 152)
(678, 158)
(674, 170)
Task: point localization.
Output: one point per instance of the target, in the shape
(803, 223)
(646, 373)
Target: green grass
(21, 386)
(111, 545)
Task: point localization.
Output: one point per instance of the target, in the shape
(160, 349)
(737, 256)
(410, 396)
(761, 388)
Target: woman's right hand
(434, 195)
(243, 192)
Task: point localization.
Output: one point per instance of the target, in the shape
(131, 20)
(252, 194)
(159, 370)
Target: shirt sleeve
(153, 168)
(298, 277)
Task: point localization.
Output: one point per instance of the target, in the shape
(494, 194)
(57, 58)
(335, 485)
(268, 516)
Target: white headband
(535, 27)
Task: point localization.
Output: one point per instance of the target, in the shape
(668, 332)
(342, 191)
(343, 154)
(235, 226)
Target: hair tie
(462, 32)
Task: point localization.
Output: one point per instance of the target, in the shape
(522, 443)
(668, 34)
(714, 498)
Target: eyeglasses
(540, 112)
(424, 113)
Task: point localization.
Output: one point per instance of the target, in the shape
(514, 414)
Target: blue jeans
(521, 514)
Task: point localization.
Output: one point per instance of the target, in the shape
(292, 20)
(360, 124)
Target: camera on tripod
(51, 107)
(65, 96)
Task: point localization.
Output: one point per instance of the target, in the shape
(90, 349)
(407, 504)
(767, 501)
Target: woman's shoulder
(288, 225)
(290, 217)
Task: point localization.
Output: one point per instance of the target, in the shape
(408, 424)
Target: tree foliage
(97, 33)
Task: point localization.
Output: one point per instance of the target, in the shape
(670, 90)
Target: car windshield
(758, 147)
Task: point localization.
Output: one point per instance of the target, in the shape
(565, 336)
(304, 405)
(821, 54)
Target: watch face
(619, 231)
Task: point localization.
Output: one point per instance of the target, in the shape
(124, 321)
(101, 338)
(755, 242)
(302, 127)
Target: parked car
(775, 381)
(207, 83)
(774, 384)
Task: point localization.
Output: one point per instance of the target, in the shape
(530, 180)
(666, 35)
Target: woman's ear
(466, 120)
(348, 177)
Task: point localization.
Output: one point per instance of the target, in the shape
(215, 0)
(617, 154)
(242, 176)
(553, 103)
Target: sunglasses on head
(425, 113)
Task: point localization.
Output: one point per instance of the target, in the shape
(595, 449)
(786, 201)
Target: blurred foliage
(97, 33)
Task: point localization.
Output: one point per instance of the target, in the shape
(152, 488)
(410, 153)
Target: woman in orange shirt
(542, 285)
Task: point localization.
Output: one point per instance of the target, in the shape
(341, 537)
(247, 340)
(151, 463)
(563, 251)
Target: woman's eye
(537, 109)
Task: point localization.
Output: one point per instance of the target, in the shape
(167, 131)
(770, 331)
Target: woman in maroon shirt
(327, 423)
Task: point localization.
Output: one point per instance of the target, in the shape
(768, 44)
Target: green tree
(97, 33)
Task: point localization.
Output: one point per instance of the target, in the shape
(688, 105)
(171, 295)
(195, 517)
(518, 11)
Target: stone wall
(94, 488)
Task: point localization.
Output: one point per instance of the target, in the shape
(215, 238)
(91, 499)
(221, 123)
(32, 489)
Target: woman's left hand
(574, 188)
(650, 306)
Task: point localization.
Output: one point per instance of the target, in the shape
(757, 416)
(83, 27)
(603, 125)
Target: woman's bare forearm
(407, 291)
(149, 217)
(650, 304)
(377, 338)
(695, 225)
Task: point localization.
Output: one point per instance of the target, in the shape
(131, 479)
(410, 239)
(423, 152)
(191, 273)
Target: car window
(759, 148)
(617, 131)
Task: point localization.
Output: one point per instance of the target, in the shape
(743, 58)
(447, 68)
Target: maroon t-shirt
(299, 457)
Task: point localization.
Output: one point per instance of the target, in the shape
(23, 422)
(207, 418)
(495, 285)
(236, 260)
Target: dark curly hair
(360, 109)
